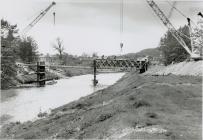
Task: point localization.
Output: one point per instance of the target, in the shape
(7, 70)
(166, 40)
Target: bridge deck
(103, 64)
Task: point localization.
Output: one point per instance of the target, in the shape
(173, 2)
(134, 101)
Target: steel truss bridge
(121, 64)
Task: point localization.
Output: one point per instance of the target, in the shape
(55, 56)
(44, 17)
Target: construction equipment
(194, 47)
(28, 27)
(171, 28)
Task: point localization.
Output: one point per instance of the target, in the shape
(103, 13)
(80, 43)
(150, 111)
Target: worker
(188, 19)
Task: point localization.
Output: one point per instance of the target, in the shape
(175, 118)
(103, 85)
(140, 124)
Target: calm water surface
(29, 102)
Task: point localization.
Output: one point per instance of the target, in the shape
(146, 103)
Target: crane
(171, 28)
(172, 8)
(29, 26)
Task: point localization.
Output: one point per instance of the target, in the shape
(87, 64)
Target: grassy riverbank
(137, 106)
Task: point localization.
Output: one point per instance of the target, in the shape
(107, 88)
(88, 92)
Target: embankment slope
(137, 107)
(184, 68)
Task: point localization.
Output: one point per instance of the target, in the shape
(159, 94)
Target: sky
(89, 26)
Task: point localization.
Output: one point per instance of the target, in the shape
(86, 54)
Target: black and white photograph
(101, 69)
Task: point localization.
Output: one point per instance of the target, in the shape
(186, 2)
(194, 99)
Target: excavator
(195, 52)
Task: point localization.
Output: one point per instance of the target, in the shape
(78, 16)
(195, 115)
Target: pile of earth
(184, 68)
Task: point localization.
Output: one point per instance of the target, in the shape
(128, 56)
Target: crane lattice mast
(170, 27)
(26, 29)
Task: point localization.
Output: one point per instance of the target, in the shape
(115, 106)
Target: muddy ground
(136, 107)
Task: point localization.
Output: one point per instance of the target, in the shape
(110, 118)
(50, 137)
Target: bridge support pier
(41, 73)
(95, 81)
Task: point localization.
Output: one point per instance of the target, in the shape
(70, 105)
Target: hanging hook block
(54, 17)
(121, 45)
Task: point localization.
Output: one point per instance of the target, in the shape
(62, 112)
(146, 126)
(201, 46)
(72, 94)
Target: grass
(147, 108)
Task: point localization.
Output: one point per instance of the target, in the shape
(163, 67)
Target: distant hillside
(154, 52)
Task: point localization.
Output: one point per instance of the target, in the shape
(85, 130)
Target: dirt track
(137, 106)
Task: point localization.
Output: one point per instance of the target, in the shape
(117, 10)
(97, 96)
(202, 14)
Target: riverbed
(25, 104)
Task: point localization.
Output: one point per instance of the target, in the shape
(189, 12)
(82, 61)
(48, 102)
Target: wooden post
(95, 73)
(37, 73)
(41, 73)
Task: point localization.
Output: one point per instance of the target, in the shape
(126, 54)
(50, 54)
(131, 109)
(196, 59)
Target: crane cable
(121, 24)
(182, 34)
(173, 6)
(54, 16)
(171, 10)
(180, 12)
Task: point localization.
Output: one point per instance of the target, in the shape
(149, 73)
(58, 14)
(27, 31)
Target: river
(28, 102)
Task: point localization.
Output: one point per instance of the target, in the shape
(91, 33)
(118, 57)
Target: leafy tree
(14, 48)
(8, 48)
(85, 55)
(27, 50)
(171, 49)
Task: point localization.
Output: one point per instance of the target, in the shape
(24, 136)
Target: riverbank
(137, 106)
(29, 80)
(23, 79)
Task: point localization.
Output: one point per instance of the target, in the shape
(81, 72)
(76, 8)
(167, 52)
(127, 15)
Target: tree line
(14, 48)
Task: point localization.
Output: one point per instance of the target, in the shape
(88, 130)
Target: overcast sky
(94, 25)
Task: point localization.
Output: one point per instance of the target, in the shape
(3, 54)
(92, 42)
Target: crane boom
(26, 29)
(169, 25)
